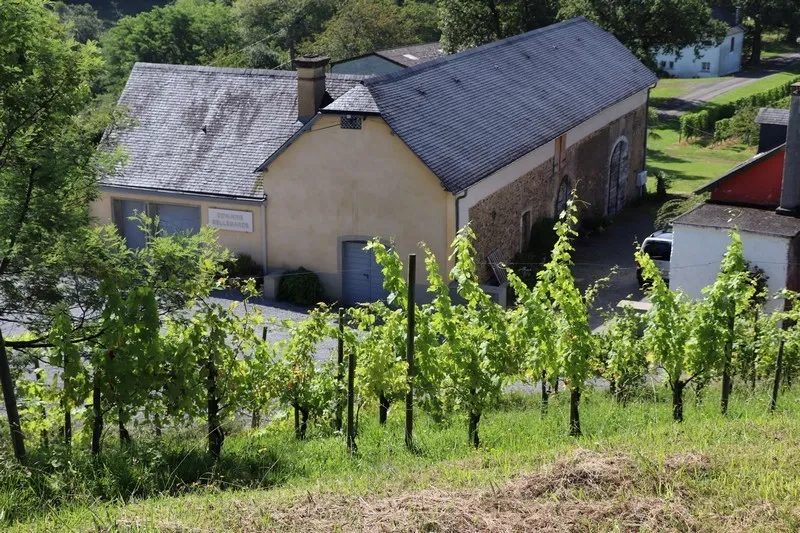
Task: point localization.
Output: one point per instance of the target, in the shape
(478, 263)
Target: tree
(766, 15)
(646, 27)
(361, 26)
(188, 32)
(468, 23)
(48, 165)
(271, 27)
(82, 21)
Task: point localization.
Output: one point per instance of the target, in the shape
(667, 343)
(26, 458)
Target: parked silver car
(659, 247)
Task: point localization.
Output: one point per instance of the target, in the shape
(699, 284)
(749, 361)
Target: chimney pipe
(790, 188)
(310, 85)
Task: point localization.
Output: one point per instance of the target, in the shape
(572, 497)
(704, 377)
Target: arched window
(562, 196)
(617, 177)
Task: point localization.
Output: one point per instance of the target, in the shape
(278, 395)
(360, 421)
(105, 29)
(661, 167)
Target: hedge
(704, 121)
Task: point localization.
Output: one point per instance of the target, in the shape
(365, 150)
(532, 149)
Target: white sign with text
(230, 220)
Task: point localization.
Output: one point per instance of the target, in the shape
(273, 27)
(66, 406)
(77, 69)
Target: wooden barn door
(617, 177)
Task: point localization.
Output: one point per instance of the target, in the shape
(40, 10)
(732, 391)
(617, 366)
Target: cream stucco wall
(334, 184)
(236, 241)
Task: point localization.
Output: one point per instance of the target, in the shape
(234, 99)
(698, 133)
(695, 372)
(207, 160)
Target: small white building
(761, 200)
(721, 60)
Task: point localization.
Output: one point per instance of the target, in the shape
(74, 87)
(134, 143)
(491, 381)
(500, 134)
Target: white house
(721, 60)
(761, 200)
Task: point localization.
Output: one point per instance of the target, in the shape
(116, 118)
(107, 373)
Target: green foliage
(82, 21)
(742, 111)
(742, 125)
(273, 27)
(301, 287)
(187, 32)
(672, 209)
(361, 26)
(645, 27)
(469, 23)
(623, 358)
(243, 266)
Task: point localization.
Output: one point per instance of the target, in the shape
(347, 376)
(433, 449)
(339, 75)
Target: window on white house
(706, 66)
(671, 65)
(662, 64)
(525, 224)
(733, 40)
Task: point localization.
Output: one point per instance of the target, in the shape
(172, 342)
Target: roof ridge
(170, 67)
(410, 71)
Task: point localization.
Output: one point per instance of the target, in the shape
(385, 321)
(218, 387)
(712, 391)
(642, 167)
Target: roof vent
(349, 122)
(412, 57)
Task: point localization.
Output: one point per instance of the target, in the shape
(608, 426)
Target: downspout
(264, 234)
(643, 188)
(459, 197)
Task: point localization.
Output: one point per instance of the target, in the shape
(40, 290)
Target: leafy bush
(301, 287)
(244, 266)
(741, 125)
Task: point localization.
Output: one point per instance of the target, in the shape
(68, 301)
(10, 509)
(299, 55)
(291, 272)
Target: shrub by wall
(301, 287)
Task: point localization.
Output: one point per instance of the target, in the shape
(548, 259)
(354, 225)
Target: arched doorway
(617, 177)
(562, 196)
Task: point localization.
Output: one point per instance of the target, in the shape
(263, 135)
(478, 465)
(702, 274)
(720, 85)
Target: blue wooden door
(129, 229)
(362, 278)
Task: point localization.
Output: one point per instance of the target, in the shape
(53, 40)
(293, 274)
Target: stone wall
(497, 219)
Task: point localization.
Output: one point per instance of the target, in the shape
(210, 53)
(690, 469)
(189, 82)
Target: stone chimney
(310, 85)
(738, 15)
(790, 189)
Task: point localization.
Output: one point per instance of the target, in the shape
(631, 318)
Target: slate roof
(422, 53)
(469, 114)
(751, 219)
(770, 115)
(724, 15)
(205, 130)
(356, 100)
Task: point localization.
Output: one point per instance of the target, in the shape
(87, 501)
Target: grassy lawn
(773, 44)
(757, 86)
(633, 469)
(690, 164)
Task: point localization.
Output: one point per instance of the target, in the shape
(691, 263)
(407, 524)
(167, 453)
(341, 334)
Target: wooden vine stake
(411, 312)
(351, 431)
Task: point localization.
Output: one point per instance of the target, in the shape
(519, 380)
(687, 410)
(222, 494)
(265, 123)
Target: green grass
(690, 165)
(773, 44)
(763, 84)
(752, 461)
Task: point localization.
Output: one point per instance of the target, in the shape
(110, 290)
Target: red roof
(755, 182)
